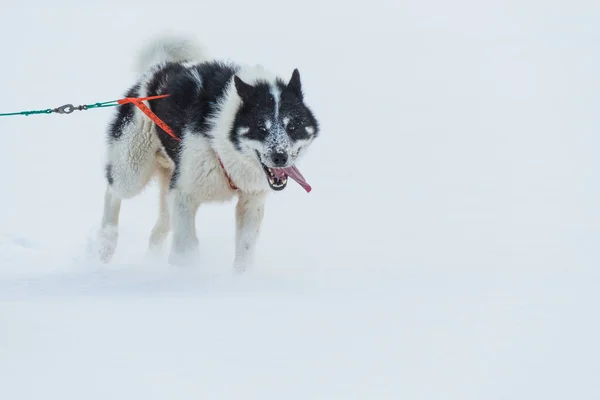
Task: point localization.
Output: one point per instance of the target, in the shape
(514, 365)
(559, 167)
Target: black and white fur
(249, 117)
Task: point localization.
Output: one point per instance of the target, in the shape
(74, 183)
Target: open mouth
(278, 177)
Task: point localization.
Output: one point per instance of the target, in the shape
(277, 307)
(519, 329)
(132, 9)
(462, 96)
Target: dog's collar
(231, 184)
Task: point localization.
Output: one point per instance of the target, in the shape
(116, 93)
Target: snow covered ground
(448, 250)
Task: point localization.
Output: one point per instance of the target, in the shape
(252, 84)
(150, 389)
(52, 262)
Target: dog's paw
(102, 247)
(240, 266)
(154, 255)
(184, 259)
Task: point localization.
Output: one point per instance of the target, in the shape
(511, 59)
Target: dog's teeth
(274, 180)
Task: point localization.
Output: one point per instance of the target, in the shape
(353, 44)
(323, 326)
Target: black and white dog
(241, 128)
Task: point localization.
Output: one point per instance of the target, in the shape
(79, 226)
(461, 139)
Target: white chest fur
(201, 175)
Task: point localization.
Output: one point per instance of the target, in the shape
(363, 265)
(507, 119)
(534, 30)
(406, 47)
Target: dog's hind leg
(132, 161)
(108, 234)
(163, 225)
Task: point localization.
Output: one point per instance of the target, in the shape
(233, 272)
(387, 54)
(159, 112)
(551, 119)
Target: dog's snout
(279, 159)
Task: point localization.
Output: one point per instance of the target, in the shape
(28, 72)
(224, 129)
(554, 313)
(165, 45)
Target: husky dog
(241, 131)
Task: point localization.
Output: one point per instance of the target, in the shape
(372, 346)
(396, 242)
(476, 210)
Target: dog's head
(274, 124)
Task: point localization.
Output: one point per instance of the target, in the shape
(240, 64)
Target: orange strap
(138, 102)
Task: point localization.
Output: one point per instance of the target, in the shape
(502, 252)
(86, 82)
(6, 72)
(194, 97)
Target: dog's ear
(294, 85)
(243, 89)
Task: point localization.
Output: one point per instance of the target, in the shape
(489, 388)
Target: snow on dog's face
(274, 123)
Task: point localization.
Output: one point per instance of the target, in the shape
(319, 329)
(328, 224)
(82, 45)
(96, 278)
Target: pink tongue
(295, 174)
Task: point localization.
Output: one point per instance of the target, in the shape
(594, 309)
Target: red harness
(138, 102)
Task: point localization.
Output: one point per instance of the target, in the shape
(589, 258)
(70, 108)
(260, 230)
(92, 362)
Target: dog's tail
(169, 48)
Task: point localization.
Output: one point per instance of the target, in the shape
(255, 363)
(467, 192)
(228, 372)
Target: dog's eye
(262, 128)
(292, 128)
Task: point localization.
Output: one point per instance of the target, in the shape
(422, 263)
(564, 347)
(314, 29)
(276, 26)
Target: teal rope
(105, 104)
(47, 111)
(61, 110)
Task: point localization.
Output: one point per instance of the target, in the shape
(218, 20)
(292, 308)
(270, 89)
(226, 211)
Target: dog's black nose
(279, 159)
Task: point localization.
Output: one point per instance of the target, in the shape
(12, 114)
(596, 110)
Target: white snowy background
(449, 249)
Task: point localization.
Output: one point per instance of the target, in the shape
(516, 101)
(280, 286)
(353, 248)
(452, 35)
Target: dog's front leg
(183, 208)
(249, 215)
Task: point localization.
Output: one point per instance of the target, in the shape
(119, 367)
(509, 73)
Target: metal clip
(66, 109)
